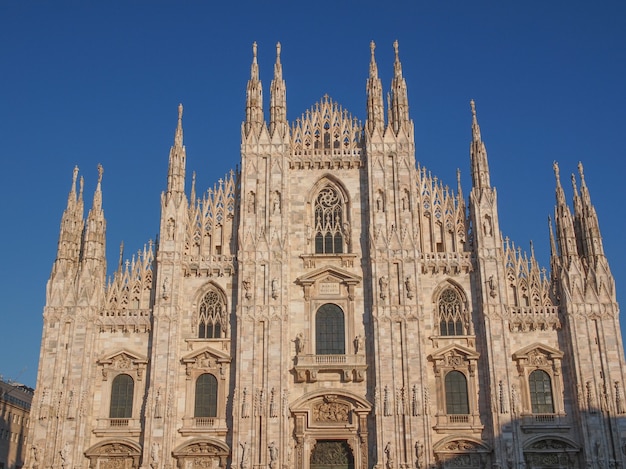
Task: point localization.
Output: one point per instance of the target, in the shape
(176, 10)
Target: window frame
(338, 337)
(122, 404)
(206, 403)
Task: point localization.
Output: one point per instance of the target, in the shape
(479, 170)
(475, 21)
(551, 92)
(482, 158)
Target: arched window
(329, 331)
(456, 393)
(540, 388)
(329, 222)
(450, 311)
(212, 316)
(206, 396)
(122, 390)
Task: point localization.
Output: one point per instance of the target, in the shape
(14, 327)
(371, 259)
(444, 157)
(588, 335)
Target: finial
(180, 111)
(395, 48)
(74, 176)
(254, 51)
(81, 185)
(555, 166)
(475, 126)
(277, 51)
(100, 173)
(372, 47)
(581, 172)
(574, 184)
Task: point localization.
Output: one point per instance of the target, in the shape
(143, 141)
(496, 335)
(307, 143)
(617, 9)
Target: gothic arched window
(456, 393)
(540, 388)
(206, 396)
(450, 313)
(122, 390)
(212, 316)
(329, 331)
(329, 222)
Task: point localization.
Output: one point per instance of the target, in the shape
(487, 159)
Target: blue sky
(99, 82)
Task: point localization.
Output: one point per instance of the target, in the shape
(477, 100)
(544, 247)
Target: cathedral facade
(330, 304)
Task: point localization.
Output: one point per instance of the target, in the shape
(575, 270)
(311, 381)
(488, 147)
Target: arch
(462, 451)
(206, 396)
(329, 212)
(540, 390)
(330, 414)
(207, 452)
(212, 312)
(122, 393)
(457, 401)
(330, 337)
(451, 310)
(119, 449)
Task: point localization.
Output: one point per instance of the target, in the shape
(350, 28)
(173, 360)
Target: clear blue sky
(99, 82)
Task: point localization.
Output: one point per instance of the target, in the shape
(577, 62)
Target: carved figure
(275, 202)
(155, 450)
(245, 455)
(408, 284)
(383, 283)
(359, 343)
(419, 454)
(273, 449)
(299, 341)
(274, 288)
(246, 287)
(389, 454)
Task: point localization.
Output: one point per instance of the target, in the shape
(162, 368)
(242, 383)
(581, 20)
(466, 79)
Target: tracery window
(206, 396)
(329, 222)
(451, 313)
(212, 316)
(540, 389)
(330, 331)
(122, 390)
(456, 393)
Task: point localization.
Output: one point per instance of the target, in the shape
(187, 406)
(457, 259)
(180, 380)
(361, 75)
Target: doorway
(332, 454)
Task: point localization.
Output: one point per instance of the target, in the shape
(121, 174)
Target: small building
(15, 400)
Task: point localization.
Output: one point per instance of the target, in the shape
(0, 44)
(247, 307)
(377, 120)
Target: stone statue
(383, 283)
(273, 449)
(245, 455)
(389, 454)
(299, 343)
(359, 344)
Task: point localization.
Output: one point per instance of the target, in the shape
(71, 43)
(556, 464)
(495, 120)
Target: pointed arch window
(122, 390)
(206, 396)
(451, 313)
(456, 393)
(329, 222)
(212, 316)
(540, 389)
(329, 331)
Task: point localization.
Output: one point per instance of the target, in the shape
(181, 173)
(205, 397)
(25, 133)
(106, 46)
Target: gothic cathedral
(330, 305)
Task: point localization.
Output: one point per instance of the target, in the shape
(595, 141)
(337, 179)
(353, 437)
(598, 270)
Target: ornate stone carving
(331, 411)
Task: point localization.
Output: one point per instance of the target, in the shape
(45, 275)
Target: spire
(478, 155)
(192, 198)
(590, 227)
(399, 105)
(254, 96)
(375, 107)
(177, 158)
(94, 241)
(72, 223)
(278, 98)
(565, 232)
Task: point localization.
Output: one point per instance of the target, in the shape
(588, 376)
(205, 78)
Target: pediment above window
(207, 359)
(123, 361)
(455, 350)
(538, 354)
(328, 281)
